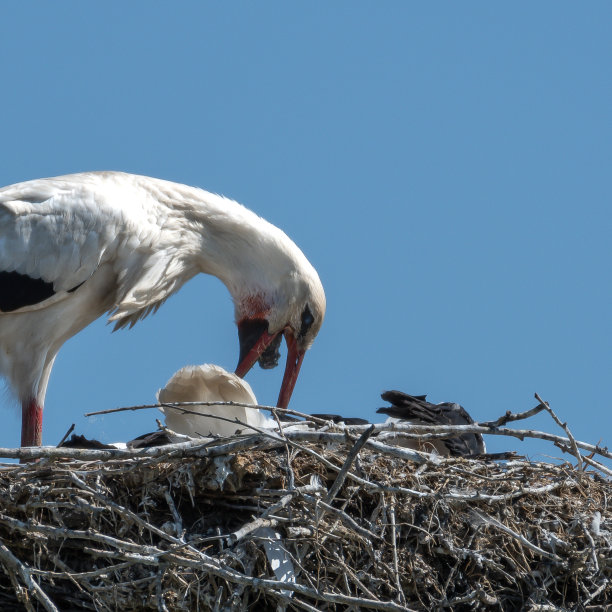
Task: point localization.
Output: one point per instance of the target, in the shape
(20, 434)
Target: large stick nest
(188, 527)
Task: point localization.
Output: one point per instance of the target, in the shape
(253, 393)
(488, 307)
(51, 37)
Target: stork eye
(307, 321)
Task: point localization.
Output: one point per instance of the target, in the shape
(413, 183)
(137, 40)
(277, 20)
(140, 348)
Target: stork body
(210, 383)
(75, 247)
(416, 410)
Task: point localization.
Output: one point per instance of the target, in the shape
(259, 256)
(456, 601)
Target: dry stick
(214, 567)
(199, 448)
(180, 405)
(103, 572)
(122, 511)
(88, 535)
(507, 417)
(178, 521)
(344, 517)
(514, 416)
(70, 430)
(291, 475)
(489, 520)
(339, 481)
(194, 448)
(21, 592)
(161, 604)
(348, 571)
(248, 444)
(261, 521)
(419, 457)
(596, 464)
(294, 601)
(233, 537)
(85, 587)
(12, 562)
(485, 427)
(250, 528)
(424, 432)
(471, 596)
(565, 428)
(343, 473)
(589, 537)
(398, 584)
(124, 556)
(595, 593)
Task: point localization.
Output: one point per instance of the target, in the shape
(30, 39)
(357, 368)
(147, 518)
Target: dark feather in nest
(78, 441)
(416, 409)
(156, 438)
(337, 418)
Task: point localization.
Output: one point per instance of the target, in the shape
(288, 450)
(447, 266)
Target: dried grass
(367, 525)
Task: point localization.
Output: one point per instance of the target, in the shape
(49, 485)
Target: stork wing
(48, 245)
(55, 233)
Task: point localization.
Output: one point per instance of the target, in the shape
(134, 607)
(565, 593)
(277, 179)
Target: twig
(290, 474)
(514, 416)
(345, 518)
(565, 428)
(183, 405)
(12, 562)
(398, 584)
(122, 511)
(250, 528)
(342, 474)
(596, 592)
(597, 465)
(70, 430)
(489, 520)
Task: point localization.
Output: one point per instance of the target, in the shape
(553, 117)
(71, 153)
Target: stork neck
(245, 252)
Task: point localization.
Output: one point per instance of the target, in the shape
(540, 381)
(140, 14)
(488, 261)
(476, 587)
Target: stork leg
(31, 423)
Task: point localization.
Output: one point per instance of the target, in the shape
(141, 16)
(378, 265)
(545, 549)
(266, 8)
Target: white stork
(75, 247)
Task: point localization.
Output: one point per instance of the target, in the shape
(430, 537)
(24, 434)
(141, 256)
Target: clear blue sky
(446, 167)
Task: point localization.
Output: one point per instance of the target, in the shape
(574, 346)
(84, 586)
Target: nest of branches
(327, 519)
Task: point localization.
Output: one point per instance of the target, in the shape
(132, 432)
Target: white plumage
(75, 247)
(210, 383)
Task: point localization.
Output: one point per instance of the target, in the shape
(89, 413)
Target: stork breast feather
(145, 280)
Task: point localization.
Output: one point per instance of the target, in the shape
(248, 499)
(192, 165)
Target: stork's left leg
(31, 423)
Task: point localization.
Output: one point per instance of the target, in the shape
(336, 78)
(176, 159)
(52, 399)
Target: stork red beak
(295, 356)
(254, 340)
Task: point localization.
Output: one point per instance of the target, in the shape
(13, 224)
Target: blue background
(444, 166)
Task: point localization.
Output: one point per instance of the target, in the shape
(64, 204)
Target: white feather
(210, 383)
(116, 243)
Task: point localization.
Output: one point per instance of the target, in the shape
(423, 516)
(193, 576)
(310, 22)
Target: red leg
(31, 423)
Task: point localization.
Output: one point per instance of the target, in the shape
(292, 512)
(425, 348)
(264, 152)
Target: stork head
(293, 310)
(276, 291)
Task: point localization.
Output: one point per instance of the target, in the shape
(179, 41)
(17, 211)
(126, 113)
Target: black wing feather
(20, 290)
(416, 408)
(336, 418)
